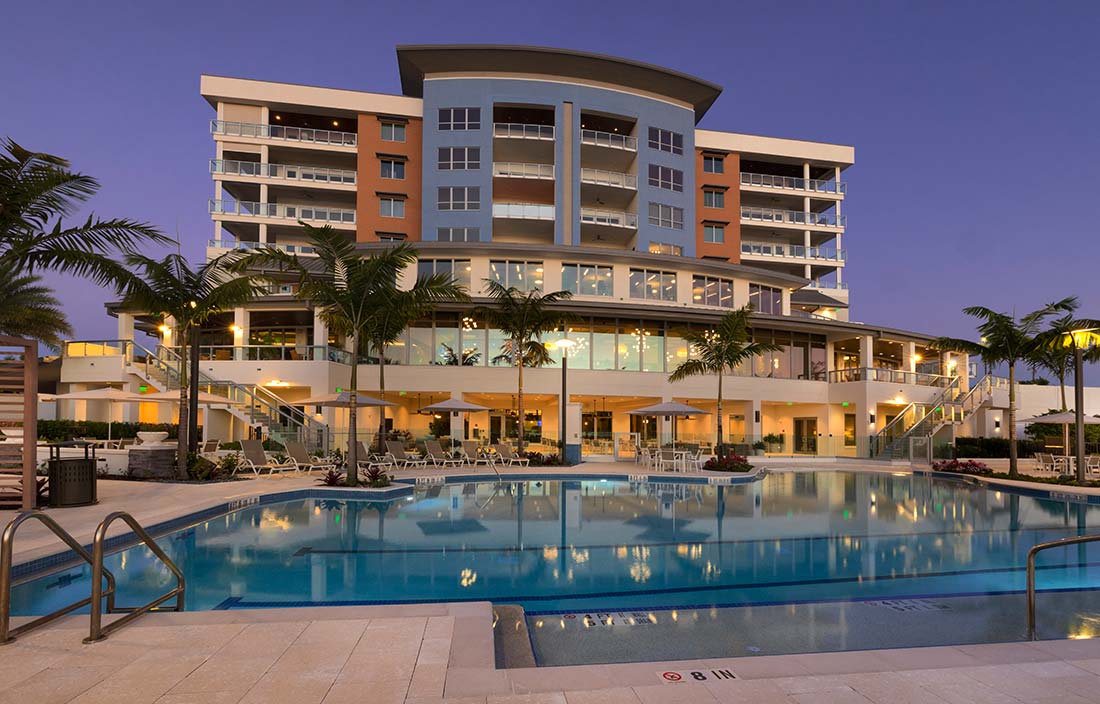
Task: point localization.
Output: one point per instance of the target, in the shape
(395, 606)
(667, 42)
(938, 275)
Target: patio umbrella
(107, 393)
(342, 400)
(669, 408)
(1064, 419)
(454, 405)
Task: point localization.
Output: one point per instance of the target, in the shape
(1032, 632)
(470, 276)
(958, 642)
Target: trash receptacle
(72, 479)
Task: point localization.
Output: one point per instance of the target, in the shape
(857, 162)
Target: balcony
(287, 172)
(887, 376)
(517, 130)
(523, 211)
(827, 285)
(284, 134)
(793, 251)
(613, 179)
(543, 172)
(797, 218)
(279, 211)
(609, 218)
(611, 140)
(787, 183)
(244, 245)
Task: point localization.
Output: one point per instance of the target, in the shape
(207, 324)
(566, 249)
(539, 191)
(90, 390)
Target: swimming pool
(600, 553)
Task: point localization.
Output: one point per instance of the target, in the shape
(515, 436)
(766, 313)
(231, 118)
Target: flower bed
(963, 467)
(729, 463)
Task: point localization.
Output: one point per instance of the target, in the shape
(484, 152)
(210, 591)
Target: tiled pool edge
(1071, 494)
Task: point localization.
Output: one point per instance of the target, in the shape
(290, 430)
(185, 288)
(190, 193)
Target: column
(806, 238)
(839, 269)
(867, 352)
(240, 332)
(830, 357)
(566, 176)
(963, 372)
(908, 356)
(320, 337)
(753, 420)
(125, 326)
(458, 432)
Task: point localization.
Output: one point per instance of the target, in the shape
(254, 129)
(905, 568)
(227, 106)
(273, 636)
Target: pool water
(577, 548)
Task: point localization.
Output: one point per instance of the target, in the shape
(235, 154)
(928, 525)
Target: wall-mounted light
(997, 425)
(236, 329)
(164, 329)
(872, 415)
(756, 415)
(917, 358)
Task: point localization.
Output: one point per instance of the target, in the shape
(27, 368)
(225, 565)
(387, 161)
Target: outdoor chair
(210, 447)
(472, 456)
(666, 460)
(396, 451)
(257, 460)
(372, 460)
(509, 458)
(1092, 464)
(438, 457)
(304, 462)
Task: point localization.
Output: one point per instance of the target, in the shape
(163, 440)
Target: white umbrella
(669, 408)
(1064, 419)
(342, 400)
(107, 393)
(454, 405)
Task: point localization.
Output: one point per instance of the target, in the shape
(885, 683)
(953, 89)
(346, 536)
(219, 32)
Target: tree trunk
(193, 390)
(1062, 385)
(353, 439)
(519, 403)
(381, 349)
(721, 437)
(1013, 465)
(181, 436)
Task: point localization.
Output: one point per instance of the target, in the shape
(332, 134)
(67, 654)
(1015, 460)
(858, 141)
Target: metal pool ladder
(1035, 550)
(97, 631)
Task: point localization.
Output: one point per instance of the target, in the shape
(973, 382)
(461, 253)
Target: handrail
(1035, 550)
(97, 631)
(7, 633)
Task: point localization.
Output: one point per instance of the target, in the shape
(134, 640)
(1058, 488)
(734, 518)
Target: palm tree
(343, 287)
(523, 316)
(1053, 354)
(720, 351)
(30, 309)
(171, 287)
(1005, 340)
(36, 192)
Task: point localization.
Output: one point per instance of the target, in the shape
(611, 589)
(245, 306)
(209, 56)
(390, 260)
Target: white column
(866, 351)
(320, 330)
(240, 331)
(125, 326)
(753, 420)
(830, 357)
(908, 352)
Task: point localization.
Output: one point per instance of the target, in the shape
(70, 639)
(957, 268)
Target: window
(459, 198)
(714, 199)
(393, 132)
(666, 140)
(391, 237)
(458, 269)
(587, 279)
(666, 216)
(711, 291)
(849, 430)
(458, 234)
(459, 158)
(715, 234)
(652, 285)
(526, 276)
(393, 168)
(765, 299)
(674, 250)
(667, 178)
(451, 119)
(714, 164)
(393, 207)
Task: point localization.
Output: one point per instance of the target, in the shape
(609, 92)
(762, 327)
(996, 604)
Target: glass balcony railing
(609, 139)
(278, 210)
(887, 376)
(615, 179)
(283, 134)
(829, 285)
(792, 217)
(308, 174)
(523, 211)
(794, 251)
(517, 130)
(271, 353)
(788, 183)
(609, 218)
(521, 170)
(237, 244)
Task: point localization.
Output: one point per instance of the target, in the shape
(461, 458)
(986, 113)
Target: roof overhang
(415, 61)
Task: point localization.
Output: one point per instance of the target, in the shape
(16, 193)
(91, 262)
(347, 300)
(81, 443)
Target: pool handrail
(1035, 550)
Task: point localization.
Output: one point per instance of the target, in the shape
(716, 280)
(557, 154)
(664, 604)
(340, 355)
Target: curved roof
(414, 61)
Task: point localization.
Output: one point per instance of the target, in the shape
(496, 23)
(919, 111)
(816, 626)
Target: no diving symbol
(672, 676)
(570, 616)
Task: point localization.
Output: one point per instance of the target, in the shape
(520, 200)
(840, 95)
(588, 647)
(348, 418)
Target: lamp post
(1080, 340)
(564, 344)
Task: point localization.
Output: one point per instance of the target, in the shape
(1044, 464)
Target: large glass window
(603, 345)
(459, 198)
(674, 250)
(393, 168)
(420, 342)
(666, 140)
(587, 279)
(714, 164)
(663, 215)
(392, 207)
(711, 291)
(458, 234)
(580, 354)
(666, 177)
(526, 276)
(459, 158)
(393, 132)
(459, 119)
(713, 198)
(652, 285)
(766, 299)
(629, 346)
(497, 349)
(652, 341)
(458, 269)
(715, 234)
(474, 346)
(447, 342)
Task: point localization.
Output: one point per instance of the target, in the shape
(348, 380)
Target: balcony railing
(609, 139)
(833, 285)
(273, 353)
(278, 210)
(283, 134)
(517, 130)
(308, 174)
(792, 217)
(609, 218)
(788, 183)
(795, 251)
(615, 179)
(238, 244)
(522, 170)
(523, 211)
(887, 376)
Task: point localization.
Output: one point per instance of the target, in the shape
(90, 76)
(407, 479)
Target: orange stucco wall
(730, 215)
(369, 221)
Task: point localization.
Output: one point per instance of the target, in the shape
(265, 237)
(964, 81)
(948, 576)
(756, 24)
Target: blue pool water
(575, 546)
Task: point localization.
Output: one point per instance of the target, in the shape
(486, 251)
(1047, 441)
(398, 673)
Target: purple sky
(975, 124)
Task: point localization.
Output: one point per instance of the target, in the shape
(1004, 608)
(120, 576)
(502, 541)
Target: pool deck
(435, 653)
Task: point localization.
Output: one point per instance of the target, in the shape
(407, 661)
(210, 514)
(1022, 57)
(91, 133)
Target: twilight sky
(976, 125)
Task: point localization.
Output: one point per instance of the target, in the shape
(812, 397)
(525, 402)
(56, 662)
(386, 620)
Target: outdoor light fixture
(164, 329)
(236, 329)
(917, 358)
(997, 425)
(872, 418)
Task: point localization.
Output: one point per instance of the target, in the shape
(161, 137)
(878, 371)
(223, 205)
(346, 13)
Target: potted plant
(774, 442)
(758, 448)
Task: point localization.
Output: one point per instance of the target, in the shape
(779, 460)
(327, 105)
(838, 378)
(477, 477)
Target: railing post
(95, 621)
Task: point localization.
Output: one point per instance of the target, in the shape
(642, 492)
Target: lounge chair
(472, 456)
(210, 447)
(372, 460)
(396, 451)
(438, 457)
(301, 458)
(257, 460)
(1092, 464)
(508, 456)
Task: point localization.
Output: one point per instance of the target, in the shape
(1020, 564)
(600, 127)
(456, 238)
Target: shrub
(57, 430)
(229, 464)
(375, 477)
(729, 463)
(994, 447)
(962, 467)
(540, 460)
(332, 477)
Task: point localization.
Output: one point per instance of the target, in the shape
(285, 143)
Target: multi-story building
(550, 169)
